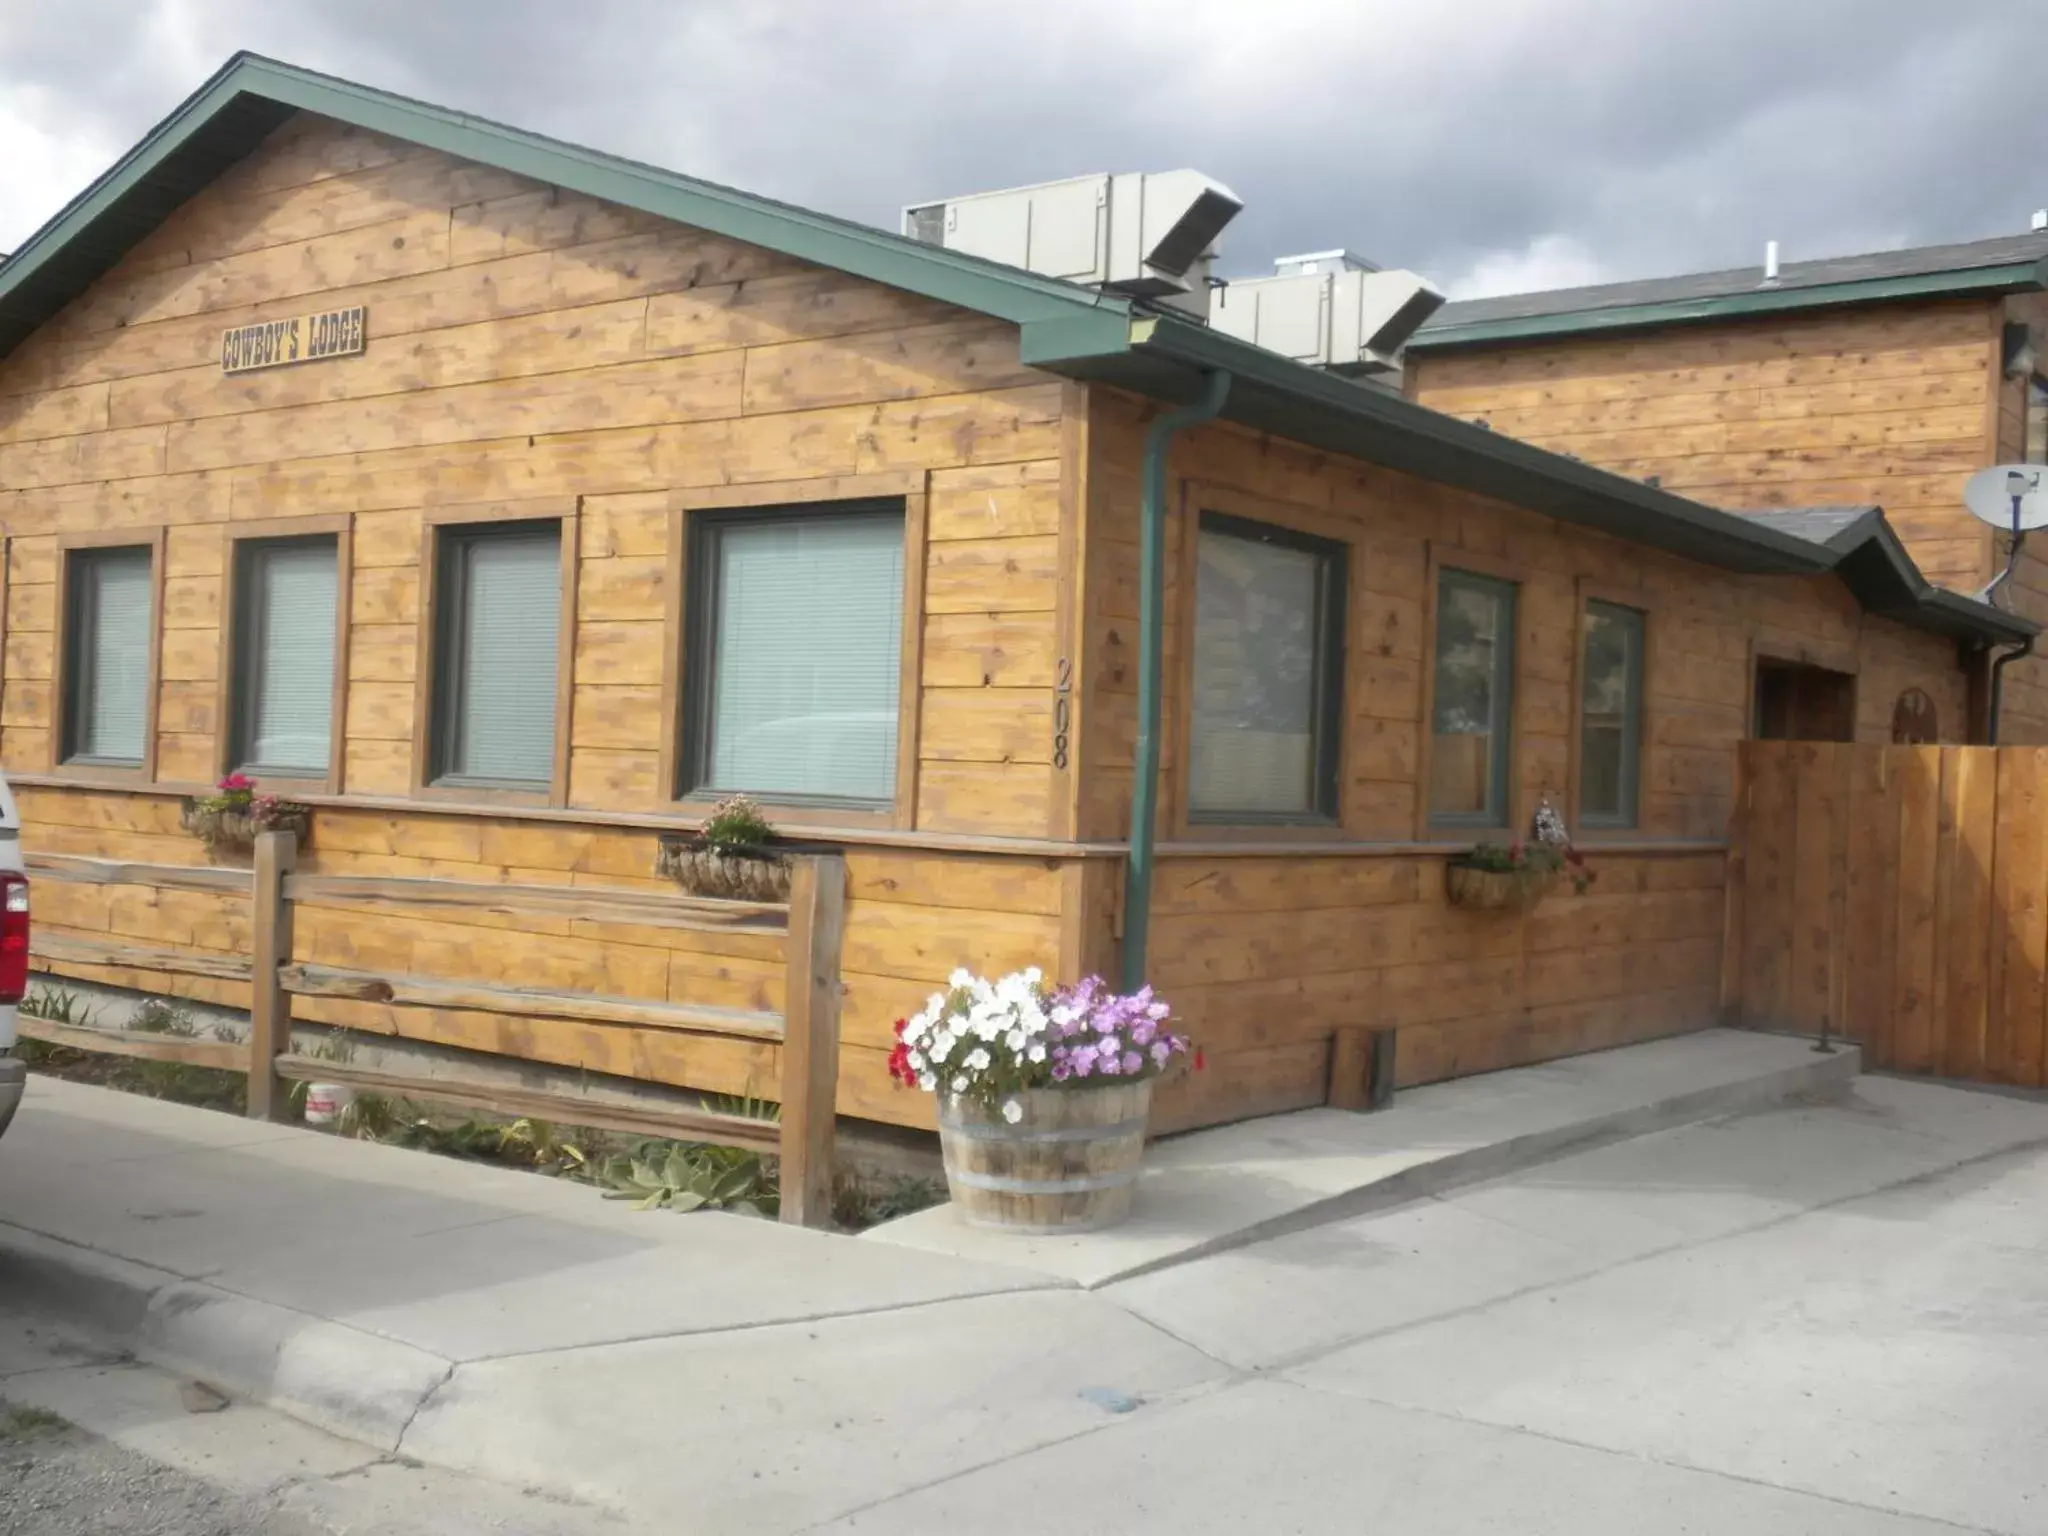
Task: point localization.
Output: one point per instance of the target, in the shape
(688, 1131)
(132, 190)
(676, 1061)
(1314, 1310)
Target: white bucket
(326, 1101)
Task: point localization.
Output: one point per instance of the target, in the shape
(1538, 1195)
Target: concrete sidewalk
(1215, 1190)
(726, 1374)
(345, 1281)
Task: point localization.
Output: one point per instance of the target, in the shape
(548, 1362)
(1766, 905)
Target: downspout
(2023, 649)
(1151, 633)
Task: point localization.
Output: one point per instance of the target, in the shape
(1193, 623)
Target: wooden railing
(812, 925)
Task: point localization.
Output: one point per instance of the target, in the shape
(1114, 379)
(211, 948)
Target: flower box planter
(725, 874)
(1467, 885)
(1068, 1164)
(234, 831)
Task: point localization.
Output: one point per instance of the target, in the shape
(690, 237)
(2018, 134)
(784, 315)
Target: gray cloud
(1490, 143)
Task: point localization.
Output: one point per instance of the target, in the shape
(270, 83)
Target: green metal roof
(1064, 328)
(2004, 264)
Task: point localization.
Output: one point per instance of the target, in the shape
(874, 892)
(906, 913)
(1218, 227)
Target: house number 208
(1062, 711)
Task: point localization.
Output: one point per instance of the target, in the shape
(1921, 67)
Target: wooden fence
(1897, 896)
(812, 924)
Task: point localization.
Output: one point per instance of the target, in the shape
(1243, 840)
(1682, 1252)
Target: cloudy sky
(1495, 145)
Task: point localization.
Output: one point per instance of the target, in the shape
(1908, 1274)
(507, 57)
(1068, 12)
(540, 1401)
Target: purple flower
(1160, 1051)
(1134, 1062)
(1060, 1070)
(1110, 1066)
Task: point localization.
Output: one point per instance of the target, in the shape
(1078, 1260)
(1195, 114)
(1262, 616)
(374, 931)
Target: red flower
(899, 1066)
(236, 781)
(1515, 850)
(1201, 1061)
(901, 1025)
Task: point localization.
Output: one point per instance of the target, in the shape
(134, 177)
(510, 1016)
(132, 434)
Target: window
(1268, 673)
(795, 653)
(283, 699)
(2037, 421)
(108, 625)
(497, 617)
(1610, 716)
(1471, 715)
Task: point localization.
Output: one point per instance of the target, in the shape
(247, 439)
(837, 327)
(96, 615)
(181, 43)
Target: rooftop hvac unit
(1328, 309)
(1147, 234)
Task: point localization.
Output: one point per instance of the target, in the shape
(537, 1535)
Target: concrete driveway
(1825, 1318)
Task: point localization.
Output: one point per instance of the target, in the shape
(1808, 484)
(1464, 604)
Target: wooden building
(1875, 380)
(591, 491)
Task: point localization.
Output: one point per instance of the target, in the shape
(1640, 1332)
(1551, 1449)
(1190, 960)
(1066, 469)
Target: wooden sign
(301, 339)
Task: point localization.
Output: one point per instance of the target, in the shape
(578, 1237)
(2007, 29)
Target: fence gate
(1898, 896)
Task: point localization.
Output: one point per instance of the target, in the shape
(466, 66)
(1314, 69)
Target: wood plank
(810, 1041)
(597, 904)
(2019, 941)
(1813, 939)
(222, 1055)
(270, 1009)
(83, 870)
(1919, 912)
(1970, 787)
(563, 1107)
(307, 980)
(1768, 898)
(1871, 984)
(75, 949)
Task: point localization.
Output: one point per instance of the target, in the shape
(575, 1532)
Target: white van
(13, 951)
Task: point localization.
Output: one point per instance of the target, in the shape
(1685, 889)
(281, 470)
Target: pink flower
(235, 782)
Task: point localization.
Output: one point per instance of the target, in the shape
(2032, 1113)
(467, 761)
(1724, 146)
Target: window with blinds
(283, 687)
(795, 653)
(106, 669)
(1268, 673)
(1472, 713)
(497, 614)
(1610, 716)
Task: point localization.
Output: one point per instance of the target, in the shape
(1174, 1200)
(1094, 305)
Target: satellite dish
(2009, 495)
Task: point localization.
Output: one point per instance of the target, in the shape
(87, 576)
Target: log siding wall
(529, 349)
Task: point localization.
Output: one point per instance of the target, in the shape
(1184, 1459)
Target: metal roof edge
(1745, 546)
(971, 282)
(2012, 277)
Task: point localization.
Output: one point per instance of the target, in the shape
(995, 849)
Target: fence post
(270, 1007)
(810, 1037)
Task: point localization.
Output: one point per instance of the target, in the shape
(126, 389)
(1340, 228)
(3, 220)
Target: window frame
(1639, 741)
(233, 700)
(63, 665)
(1328, 677)
(440, 526)
(1506, 749)
(688, 700)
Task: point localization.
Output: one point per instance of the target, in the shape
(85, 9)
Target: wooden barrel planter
(1069, 1165)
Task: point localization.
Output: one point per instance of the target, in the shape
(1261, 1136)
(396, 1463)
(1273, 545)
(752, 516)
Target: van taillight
(13, 938)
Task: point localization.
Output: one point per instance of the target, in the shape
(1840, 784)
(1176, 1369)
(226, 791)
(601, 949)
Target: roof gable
(250, 97)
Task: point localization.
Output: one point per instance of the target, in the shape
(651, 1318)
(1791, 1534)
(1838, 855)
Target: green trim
(2016, 277)
(92, 228)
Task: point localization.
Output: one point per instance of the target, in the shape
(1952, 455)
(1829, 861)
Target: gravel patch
(56, 1480)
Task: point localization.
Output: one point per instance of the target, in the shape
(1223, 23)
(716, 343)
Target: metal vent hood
(1145, 234)
(1329, 309)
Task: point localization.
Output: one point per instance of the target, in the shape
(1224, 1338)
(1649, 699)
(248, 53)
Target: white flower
(926, 1081)
(960, 978)
(1036, 1053)
(1014, 1040)
(960, 1083)
(1012, 1111)
(977, 1060)
(942, 1045)
(1065, 1014)
(917, 1061)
